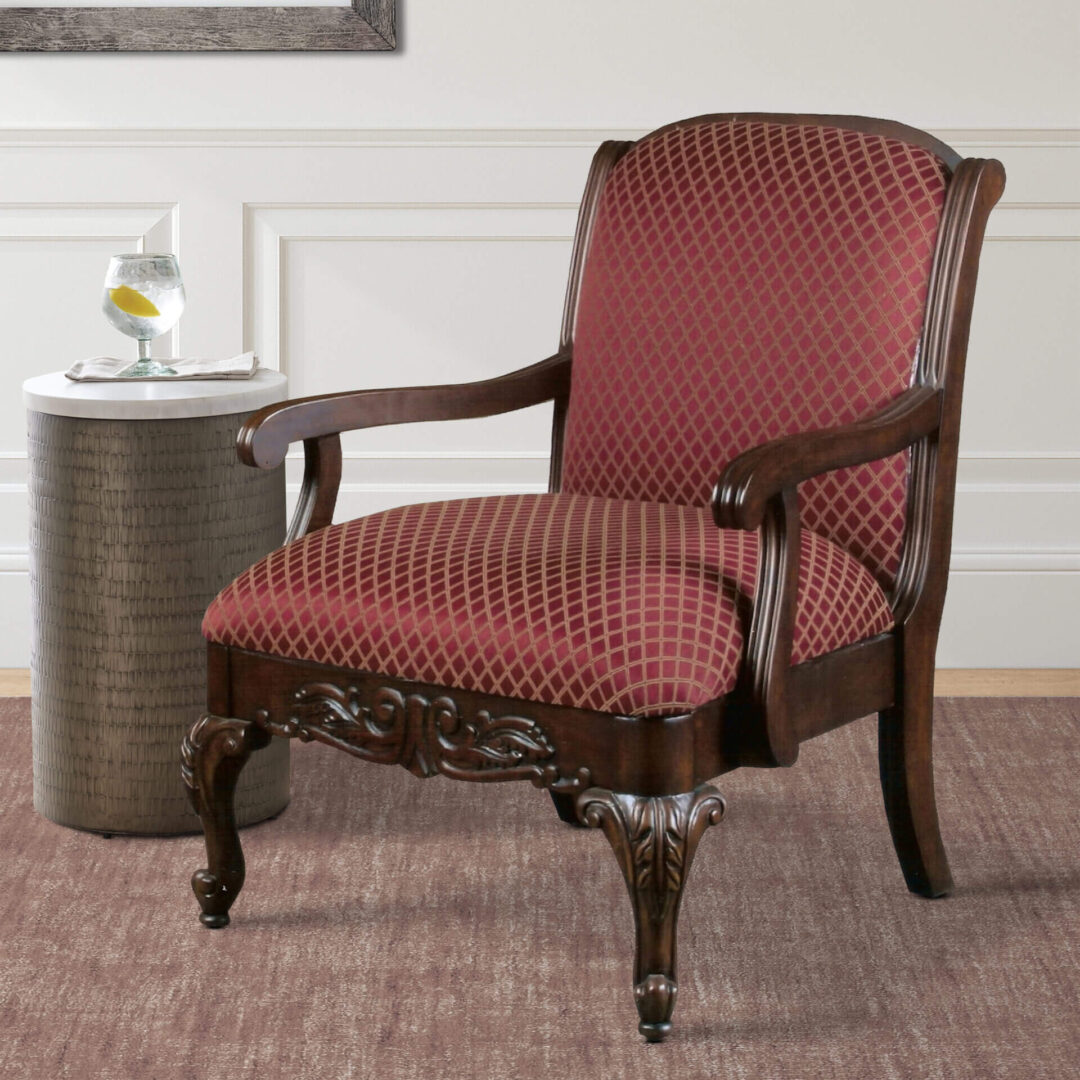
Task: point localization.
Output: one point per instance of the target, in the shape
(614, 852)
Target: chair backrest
(747, 278)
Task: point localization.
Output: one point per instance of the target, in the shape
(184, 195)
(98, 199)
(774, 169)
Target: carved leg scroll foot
(654, 839)
(213, 753)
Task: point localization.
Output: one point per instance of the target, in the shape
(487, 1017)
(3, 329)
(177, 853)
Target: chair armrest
(758, 490)
(748, 483)
(318, 422)
(266, 436)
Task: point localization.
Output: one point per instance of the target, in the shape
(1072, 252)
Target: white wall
(381, 219)
(596, 63)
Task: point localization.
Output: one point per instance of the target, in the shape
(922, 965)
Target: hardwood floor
(14, 682)
(1007, 682)
(950, 682)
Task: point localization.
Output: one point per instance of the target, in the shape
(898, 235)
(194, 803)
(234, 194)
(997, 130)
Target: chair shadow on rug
(745, 543)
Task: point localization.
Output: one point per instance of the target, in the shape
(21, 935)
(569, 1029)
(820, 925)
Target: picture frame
(356, 26)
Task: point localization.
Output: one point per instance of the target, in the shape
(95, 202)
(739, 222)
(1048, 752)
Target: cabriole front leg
(213, 754)
(654, 839)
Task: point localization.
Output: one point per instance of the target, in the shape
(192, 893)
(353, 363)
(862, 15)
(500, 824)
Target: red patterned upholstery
(747, 280)
(624, 607)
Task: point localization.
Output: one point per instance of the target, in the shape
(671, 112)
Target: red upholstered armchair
(745, 543)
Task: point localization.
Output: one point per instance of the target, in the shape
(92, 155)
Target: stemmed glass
(143, 298)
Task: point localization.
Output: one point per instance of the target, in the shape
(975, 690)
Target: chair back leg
(905, 757)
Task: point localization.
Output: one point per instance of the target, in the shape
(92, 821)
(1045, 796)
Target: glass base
(141, 368)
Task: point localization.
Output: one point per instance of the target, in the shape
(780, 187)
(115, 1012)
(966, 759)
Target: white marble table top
(158, 400)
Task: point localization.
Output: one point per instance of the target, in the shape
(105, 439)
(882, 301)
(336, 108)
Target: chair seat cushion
(624, 607)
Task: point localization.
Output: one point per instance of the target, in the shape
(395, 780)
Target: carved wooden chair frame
(643, 781)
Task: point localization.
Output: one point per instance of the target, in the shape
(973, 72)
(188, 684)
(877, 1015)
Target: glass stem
(144, 348)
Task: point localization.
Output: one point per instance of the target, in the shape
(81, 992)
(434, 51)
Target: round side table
(140, 512)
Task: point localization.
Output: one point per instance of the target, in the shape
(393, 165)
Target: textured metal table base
(135, 526)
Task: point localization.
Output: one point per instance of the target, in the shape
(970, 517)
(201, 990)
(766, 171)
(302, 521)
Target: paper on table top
(109, 369)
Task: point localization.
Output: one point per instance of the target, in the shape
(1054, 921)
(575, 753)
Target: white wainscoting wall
(351, 259)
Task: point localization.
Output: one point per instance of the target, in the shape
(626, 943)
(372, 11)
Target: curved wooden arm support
(772, 627)
(759, 490)
(748, 483)
(318, 493)
(266, 436)
(317, 421)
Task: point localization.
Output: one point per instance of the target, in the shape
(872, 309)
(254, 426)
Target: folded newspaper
(109, 369)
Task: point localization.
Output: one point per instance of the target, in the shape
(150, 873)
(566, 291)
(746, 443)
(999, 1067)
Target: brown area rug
(391, 929)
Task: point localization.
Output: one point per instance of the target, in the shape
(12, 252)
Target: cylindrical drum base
(135, 526)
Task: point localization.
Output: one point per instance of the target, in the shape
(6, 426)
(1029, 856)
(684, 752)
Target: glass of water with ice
(143, 298)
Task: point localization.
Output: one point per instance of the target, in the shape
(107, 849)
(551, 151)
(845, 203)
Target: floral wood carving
(654, 839)
(428, 736)
(212, 755)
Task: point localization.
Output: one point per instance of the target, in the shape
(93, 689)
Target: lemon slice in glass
(133, 302)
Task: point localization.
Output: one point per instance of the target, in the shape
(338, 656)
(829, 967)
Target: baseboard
(950, 682)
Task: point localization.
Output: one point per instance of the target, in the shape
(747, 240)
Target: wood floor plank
(14, 682)
(1007, 682)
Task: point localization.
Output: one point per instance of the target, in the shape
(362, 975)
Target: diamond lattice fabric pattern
(745, 281)
(623, 607)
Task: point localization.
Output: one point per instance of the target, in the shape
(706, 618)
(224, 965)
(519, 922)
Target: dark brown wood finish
(318, 422)
(641, 780)
(212, 755)
(772, 628)
(759, 490)
(319, 490)
(625, 754)
(841, 686)
(267, 435)
(746, 486)
(604, 160)
(905, 730)
(654, 841)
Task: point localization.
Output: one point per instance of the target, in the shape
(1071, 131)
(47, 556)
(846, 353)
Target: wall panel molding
(270, 229)
(525, 136)
(249, 210)
(147, 223)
